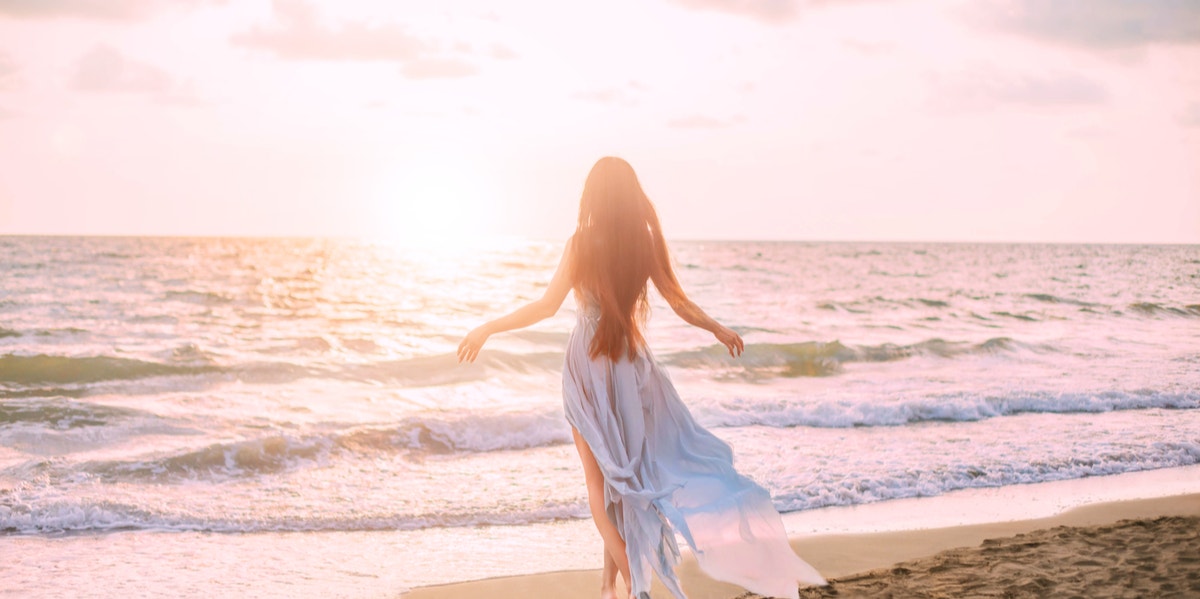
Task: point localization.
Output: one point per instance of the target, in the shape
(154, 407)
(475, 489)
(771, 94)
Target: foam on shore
(551, 559)
(848, 540)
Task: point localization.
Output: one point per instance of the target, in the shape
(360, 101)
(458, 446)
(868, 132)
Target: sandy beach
(1157, 557)
(1134, 548)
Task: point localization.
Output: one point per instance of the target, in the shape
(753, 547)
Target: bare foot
(607, 592)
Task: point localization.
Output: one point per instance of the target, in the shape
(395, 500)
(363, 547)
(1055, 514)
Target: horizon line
(369, 238)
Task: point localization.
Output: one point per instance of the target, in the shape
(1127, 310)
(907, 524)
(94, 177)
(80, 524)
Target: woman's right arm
(668, 286)
(533, 312)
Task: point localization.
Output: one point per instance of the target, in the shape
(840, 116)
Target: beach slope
(1135, 548)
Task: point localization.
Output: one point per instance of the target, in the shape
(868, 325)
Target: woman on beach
(651, 470)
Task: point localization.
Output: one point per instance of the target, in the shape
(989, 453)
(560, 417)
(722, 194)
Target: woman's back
(618, 246)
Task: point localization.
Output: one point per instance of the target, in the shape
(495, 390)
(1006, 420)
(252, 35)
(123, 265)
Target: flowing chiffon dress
(664, 473)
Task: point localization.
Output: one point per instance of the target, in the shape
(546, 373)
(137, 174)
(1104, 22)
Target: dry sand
(1139, 548)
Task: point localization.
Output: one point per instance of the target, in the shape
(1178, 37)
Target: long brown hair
(618, 245)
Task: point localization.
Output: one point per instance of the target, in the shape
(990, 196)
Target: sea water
(230, 393)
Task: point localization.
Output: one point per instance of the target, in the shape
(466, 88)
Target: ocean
(170, 400)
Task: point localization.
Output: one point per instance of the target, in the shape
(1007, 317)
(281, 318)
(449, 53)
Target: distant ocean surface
(255, 385)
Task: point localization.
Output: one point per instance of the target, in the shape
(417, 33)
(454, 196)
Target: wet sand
(1135, 548)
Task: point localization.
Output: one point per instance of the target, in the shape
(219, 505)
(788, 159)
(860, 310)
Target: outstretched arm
(667, 285)
(531, 313)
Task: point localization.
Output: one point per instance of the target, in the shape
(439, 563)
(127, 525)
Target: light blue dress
(665, 474)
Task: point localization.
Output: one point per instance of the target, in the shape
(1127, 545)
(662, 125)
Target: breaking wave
(21, 515)
(78, 515)
(817, 358)
(468, 432)
(26, 370)
(929, 482)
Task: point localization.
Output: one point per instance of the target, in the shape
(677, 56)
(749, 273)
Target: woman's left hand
(468, 350)
(731, 340)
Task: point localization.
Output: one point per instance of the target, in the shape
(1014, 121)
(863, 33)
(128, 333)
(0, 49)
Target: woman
(651, 470)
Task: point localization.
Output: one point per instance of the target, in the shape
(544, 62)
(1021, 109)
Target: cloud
(301, 36)
(437, 68)
(705, 122)
(1102, 24)
(987, 88)
(90, 9)
(770, 11)
(764, 10)
(104, 69)
(183, 95)
(501, 52)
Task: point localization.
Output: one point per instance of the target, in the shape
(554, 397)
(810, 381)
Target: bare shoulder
(567, 262)
(569, 248)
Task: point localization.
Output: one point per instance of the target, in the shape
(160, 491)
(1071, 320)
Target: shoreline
(887, 533)
(835, 556)
(439, 563)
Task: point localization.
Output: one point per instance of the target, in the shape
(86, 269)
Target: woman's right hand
(468, 350)
(731, 340)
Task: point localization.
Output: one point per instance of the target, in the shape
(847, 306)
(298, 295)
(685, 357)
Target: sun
(434, 206)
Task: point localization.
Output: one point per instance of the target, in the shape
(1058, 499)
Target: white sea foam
(450, 432)
(253, 385)
(31, 510)
(78, 515)
(957, 407)
(908, 482)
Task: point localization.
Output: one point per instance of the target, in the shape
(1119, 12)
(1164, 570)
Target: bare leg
(614, 545)
(608, 581)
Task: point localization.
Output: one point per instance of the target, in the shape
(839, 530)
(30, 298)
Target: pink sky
(970, 120)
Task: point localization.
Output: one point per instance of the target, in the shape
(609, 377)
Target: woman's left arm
(531, 313)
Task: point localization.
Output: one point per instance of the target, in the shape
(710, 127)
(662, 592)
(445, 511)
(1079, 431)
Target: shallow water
(253, 386)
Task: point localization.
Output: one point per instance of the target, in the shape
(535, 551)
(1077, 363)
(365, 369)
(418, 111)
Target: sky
(449, 122)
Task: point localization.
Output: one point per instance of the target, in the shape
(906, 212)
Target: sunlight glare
(433, 206)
